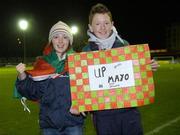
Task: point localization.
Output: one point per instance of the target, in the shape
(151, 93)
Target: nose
(60, 39)
(103, 26)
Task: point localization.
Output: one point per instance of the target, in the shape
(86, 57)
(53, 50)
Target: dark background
(136, 21)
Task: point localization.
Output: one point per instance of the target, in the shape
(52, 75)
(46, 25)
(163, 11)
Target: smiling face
(60, 43)
(101, 25)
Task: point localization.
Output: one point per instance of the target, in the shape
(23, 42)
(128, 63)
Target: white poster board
(110, 76)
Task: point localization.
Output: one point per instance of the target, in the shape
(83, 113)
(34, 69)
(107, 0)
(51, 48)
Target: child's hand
(21, 70)
(76, 112)
(154, 65)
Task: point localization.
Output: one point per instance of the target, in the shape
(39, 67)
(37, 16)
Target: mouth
(103, 33)
(60, 46)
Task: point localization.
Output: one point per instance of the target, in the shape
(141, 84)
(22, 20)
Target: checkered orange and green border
(83, 99)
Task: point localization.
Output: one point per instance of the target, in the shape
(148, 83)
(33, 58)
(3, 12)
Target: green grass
(14, 121)
(166, 106)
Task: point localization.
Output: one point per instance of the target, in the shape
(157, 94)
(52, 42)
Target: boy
(103, 35)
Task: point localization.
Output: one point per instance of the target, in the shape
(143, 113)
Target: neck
(61, 56)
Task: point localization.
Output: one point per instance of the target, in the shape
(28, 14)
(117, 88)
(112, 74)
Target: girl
(49, 83)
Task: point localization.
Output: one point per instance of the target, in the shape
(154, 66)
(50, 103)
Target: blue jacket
(55, 101)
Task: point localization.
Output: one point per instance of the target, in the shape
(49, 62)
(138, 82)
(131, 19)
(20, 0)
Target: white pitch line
(156, 130)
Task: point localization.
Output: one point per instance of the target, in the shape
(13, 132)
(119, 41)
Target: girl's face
(60, 43)
(101, 26)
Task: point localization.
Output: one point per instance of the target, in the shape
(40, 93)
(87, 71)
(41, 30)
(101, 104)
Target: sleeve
(126, 42)
(32, 90)
(86, 48)
(16, 93)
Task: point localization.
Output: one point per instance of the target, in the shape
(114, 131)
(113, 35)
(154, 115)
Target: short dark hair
(99, 9)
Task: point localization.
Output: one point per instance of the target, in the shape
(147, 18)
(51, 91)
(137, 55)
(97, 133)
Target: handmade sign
(110, 79)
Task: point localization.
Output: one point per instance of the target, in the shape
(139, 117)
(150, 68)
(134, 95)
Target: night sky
(137, 22)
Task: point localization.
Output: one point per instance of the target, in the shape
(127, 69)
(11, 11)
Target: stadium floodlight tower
(23, 25)
(74, 30)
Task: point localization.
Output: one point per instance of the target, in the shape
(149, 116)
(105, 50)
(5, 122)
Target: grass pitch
(159, 118)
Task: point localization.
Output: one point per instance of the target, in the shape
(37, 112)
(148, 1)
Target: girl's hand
(76, 112)
(21, 70)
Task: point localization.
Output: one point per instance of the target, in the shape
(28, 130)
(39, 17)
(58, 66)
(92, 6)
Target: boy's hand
(154, 65)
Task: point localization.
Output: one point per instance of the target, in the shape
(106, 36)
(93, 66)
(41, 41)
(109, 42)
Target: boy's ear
(112, 25)
(90, 28)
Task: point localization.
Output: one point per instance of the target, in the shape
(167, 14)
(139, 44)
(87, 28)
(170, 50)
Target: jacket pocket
(72, 120)
(56, 118)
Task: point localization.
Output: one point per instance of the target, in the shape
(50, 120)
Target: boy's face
(101, 26)
(60, 43)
